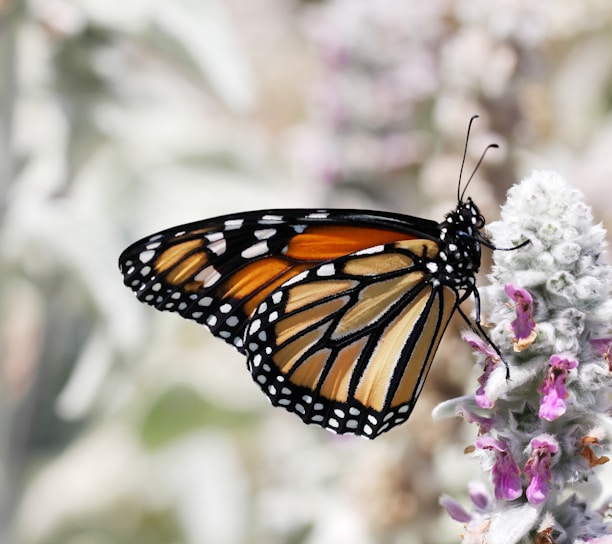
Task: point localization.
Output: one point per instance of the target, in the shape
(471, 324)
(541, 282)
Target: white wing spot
(212, 320)
(209, 276)
(371, 250)
(277, 297)
(218, 247)
(225, 309)
(233, 224)
(264, 234)
(145, 270)
(297, 278)
(146, 256)
(256, 250)
(318, 215)
(214, 236)
(232, 321)
(326, 270)
(270, 217)
(205, 301)
(254, 326)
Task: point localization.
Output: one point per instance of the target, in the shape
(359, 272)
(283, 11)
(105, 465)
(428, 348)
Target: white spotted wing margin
(347, 344)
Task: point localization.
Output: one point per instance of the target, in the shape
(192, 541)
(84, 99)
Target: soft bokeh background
(120, 424)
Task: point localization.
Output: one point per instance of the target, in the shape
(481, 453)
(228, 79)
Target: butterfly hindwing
(347, 344)
(218, 271)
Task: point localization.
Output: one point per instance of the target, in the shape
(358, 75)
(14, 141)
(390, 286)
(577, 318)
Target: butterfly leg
(477, 329)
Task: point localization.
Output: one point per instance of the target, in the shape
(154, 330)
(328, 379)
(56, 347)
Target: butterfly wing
(219, 271)
(347, 344)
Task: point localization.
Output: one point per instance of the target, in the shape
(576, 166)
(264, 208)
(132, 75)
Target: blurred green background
(120, 424)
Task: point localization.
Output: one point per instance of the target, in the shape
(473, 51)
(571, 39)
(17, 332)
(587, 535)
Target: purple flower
(455, 510)
(479, 344)
(537, 467)
(484, 423)
(552, 389)
(524, 326)
(505, 471)
(480, 498)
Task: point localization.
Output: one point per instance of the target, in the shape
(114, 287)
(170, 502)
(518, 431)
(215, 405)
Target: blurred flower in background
(121, 424)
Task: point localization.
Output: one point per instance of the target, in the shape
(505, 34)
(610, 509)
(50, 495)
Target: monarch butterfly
(338, 311)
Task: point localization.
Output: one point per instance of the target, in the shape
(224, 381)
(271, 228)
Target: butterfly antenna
(467, 139)
(490, 146)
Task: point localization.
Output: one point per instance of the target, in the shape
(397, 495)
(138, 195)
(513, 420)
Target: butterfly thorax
(459, 256)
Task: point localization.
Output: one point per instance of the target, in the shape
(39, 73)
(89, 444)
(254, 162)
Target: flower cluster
(543, 428)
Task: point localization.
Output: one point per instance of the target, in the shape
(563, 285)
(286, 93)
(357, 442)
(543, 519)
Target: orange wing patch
(175, 254)
(326, 242)
(255, 281)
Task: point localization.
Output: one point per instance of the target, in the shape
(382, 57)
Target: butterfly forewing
(217, 271)
(348, 343)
